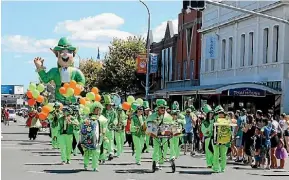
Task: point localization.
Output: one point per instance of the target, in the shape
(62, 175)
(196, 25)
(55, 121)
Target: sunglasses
(162, 107)
(140, 109)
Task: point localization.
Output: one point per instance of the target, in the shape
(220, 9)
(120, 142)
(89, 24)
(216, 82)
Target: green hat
(175, 112)
(107, 100)
(206, 108)
(218, 108)
(63, 44)
(135, 106)
(95, 105)
(175, 105)
(161, 103)
(146, 105)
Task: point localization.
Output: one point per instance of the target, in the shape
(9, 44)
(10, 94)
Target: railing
(182, 83)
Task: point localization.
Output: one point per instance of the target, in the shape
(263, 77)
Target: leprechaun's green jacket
(166, 118)
(207, 128)
(69, 127)
(111, 115)
(136, 125)
(55, 75)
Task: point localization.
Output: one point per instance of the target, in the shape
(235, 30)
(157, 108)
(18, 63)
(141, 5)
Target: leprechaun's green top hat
(63, 44)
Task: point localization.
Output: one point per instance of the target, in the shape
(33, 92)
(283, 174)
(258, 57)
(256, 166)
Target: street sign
(141, 62)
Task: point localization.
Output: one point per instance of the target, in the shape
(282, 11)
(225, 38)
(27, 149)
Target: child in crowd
(258, 145)
(281, 154)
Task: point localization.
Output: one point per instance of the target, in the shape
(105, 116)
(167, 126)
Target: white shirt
(65, 76)
(283, 124)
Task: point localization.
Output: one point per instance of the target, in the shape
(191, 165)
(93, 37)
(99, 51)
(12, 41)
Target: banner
(153, 63)
(7, 89)
(141, 63)
(211, 47)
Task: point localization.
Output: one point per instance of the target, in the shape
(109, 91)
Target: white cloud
(24, 44)
(17, 56)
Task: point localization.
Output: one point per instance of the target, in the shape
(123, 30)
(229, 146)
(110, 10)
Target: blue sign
(211, 47)
(7, 89)
(247, 92)
(153, 63)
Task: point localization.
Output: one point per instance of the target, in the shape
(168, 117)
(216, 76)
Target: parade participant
(119, 131)
(189, 130)
(64, 72)
(207, 130)
(147, 113)
(222, 143)
(76, 128)
(33, 123)
(93, 131)
(54, 125)
(175, 141)
(111, 115)
(159, 117)
(137, 131)
(66, 123)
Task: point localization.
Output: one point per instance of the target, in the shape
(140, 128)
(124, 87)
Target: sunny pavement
(35, 160)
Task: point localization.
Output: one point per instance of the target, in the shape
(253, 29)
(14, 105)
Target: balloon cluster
(85, 102)
(45, 110)
(129, 101)
(70, 89)
(33, 94)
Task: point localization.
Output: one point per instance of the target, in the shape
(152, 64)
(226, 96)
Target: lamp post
(148, 51)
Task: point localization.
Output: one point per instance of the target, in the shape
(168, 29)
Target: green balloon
(139, 101)
(90, 96)
(40, 87)
(35, 93)
(70, 92)
(32, 86)
(88, 104)
(86, 110)
(51, 106)
(81, 106)
(130, 99)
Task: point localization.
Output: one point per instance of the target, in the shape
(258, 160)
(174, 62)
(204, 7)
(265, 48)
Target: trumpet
(112, 127)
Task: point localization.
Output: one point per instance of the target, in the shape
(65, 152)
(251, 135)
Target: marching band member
(76, 128)
(89, 139)
(54, 125)
(137, 131)
(147, 112)
(159, 117)
(111, 115)
(179, 120)
(207, 130)
(66, 123)
(119, 132)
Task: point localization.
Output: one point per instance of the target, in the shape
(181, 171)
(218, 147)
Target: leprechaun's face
(65, 58)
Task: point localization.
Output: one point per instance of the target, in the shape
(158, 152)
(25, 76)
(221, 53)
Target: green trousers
(160, 155)
(110, 136)
(65, 141)
(55, 137)
(220, 158)
(94, 155)
(175, 148)
(76, 135)
(119, 138)
(147, 142)
(209, 154)
(138, 142)
(103, 156)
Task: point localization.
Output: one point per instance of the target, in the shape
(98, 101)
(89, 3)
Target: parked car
(12, 115)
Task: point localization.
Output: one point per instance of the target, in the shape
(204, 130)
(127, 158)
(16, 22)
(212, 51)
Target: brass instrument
(120, 126)
(111, 126)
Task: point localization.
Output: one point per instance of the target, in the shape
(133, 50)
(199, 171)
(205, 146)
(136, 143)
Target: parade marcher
(76, 129)
(137, 131)
(147, 113)
(111, 115)
(207, 130)
(119, 131)
(93, 131)
(33, 123)
(159, 117)
(54, 125)
(179, 121)
(66, 123)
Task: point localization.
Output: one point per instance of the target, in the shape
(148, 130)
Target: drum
(165, 130)
(223, 133)
(176, 130)
(90, 134)
(152, 129)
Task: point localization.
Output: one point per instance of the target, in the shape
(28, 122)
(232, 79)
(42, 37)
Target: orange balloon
(126, 106)
(42, 116)
(29, 94)
(31, 102)
(82, 101)
(97, 97)
(45, 109)
(40, 99)
(66, 85)
(77, 90)
(62, 90)
(61, 106)
(72, 84)
(95, 90)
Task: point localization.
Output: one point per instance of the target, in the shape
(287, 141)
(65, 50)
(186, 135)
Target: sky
(29, 29)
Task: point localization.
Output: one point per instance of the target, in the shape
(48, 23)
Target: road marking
(37, 172)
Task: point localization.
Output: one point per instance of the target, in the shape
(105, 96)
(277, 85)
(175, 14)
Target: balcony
(182, 83)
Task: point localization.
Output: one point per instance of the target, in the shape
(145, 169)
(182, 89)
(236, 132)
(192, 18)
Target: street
(24, 159)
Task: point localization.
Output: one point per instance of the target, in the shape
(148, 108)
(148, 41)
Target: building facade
(244, 59)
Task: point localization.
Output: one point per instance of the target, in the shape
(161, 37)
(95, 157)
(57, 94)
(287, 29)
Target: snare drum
(152, 129)
(165, 130)
(223, 133)
(176, 130)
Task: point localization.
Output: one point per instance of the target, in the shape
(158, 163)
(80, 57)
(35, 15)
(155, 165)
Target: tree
(119, 68)
(92, 72)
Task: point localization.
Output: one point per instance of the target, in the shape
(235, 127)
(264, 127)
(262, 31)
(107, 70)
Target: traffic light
(194, 4)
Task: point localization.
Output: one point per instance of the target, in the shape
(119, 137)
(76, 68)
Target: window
(265, 45)
(242, 50)
(275, 43)
(179, 71)
(171, 64)
(230, 55)
(223, 62)
(206, 65)
(189, 37)
(251, 48)
(185, 70)
(212, 64)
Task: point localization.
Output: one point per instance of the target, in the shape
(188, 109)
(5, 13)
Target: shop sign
(247, 92)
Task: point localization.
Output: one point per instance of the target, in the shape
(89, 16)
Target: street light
(148, 51)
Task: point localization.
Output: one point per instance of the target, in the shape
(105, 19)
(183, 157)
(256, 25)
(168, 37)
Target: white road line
(37, 172)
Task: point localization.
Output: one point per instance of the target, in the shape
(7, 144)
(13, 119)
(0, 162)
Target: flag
(141, 63)
(153, 63)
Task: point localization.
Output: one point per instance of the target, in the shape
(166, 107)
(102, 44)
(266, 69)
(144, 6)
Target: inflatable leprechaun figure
(64, 72)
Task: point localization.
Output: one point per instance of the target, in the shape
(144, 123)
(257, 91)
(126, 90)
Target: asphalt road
(34, 160)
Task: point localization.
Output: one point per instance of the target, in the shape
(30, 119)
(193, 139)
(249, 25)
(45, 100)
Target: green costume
(66, 123)
(54, 126)
(179, 120)
(76, 128)
(147, 137)
(159, 155)
(119, 131)
(63, 73)
(93, 152)
(111, 115)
